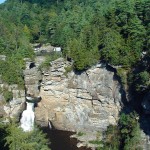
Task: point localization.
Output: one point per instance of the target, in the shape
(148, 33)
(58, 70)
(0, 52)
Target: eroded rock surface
(13, 108)
(90, 100)
(32, 77)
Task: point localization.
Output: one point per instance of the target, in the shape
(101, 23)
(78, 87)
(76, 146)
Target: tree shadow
(132, 101)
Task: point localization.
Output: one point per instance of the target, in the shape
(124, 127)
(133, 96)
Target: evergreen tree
(16, 139)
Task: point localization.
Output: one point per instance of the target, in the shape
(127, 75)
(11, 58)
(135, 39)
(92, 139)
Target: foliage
(80, 134)
(48, 58)
(88, 32)
(139, 79)
(118, 40)
(130, 131)
(113, 138)
(142, 81)
(123, 75)
(97, 142)
(45, 64)
(114, 31)
(8, 95)
(3, 135)
(11, 71)
(124, 136)
(17, 139)
(68, 69)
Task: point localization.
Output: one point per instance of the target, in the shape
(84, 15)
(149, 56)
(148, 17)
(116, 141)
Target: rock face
(16, 105)
(90, 100)
(74, 101)
(32, 77)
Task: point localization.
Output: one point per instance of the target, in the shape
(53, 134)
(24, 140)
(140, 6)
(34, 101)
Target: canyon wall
(78, 101)
(71, 101)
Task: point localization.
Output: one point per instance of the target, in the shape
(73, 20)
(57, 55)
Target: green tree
(3, 134)
(27, 32)
(112, 139)
(16, 139)
(142, 81)
(130, 131)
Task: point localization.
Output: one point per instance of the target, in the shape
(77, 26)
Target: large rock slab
(86, 101)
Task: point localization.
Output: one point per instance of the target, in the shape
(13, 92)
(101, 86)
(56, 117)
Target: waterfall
(49, 124)
(27, 119)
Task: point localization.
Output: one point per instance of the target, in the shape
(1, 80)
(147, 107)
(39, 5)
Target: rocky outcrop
(32, 78)
(145, 140)
(16, 104)
(72, 101)
(75, 101)
(42, 49)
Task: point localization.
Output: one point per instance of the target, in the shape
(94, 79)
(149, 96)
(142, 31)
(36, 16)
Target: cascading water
(27, 119)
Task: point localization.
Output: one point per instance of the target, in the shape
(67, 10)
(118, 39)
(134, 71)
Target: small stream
(60, 140)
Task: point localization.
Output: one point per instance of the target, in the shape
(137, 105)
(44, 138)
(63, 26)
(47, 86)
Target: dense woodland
(116, 32)
(113, 31)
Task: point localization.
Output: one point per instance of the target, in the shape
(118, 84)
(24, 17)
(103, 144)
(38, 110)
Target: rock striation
(32, 78)
(78, 101)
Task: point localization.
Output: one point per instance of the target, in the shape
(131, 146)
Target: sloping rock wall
(16, 105)
(90, 100)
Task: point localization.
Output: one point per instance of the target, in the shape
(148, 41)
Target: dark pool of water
(60, 140)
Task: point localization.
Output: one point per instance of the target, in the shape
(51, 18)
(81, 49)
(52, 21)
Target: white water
(49, 124)
(27, 119)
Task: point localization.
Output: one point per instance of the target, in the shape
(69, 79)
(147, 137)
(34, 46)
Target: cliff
(86, 101)
(90, 100)
(15, 106)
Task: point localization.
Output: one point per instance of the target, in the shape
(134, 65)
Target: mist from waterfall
(27, 119)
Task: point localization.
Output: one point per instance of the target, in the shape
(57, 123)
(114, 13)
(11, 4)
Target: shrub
(80, 134)
(125, 136)
(8, 95)
(130, 131)
(46, 64)
(97, 142)
(67, 70)
(122, 73)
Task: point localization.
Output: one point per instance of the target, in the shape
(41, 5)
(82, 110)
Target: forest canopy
(114, 31)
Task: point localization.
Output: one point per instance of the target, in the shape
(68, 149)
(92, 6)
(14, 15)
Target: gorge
(77, 70)
(74, 101)
(81, 102)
